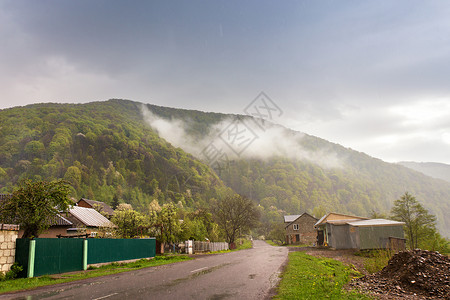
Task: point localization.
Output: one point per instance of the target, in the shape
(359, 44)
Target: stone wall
(8, 236)
(305, 234)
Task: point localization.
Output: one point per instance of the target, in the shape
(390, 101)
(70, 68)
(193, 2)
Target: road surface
(245, 274)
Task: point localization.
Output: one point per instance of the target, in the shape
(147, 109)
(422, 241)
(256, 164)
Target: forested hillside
(108, 150)
(104, 150)
(317, 176)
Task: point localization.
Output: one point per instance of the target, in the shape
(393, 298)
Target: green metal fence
(44, 256)
(108, 250)
(53, 256)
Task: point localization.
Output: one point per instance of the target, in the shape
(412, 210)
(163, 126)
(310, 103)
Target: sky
(369, 75)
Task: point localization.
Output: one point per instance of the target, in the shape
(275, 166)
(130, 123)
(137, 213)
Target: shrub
(13, 272)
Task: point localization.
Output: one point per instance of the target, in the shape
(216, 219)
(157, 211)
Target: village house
(351, 232)
(101, 207)
(86, 220)
(59, 226)
(300, 229)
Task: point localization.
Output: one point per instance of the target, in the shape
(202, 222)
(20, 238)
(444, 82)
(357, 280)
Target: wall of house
(8, 236)
(306, 230)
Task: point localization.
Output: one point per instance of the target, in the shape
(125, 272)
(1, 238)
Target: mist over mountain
(432, 169)
(136, 153)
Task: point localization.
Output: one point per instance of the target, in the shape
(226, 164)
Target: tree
(419, 224)
(128, 221)
(169, 223)
(35, 205)
(235, 214)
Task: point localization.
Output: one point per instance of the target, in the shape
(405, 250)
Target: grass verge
(375, 260)
(272, 243)
(113, 268)
(309, 277)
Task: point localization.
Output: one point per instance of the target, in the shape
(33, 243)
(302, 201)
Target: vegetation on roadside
(272, 243)
(375, 260)
(93, 271)
(309, 277)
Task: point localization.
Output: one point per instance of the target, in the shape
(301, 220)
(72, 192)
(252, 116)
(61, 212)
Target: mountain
(104, 149)
(134, 152)
(432, 169)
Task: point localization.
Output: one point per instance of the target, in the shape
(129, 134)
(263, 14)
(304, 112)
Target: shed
(375, 233)
(361, 233)
(325, 230)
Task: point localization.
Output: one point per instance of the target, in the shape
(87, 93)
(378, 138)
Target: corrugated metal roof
(291, 218)
(61, 221)
(90, 217)
(375, 222)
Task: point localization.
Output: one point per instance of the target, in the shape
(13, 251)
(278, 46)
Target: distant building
(98, 205)
(351, 232)
(300, 229)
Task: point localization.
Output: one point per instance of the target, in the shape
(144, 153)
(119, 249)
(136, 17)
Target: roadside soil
(428, 280)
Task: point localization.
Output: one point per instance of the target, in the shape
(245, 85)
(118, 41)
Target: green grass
(113, 268)
(272, 243)
(309, 277)
(375, 260)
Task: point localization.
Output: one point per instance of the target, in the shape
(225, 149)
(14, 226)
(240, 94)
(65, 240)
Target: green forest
(107, 153)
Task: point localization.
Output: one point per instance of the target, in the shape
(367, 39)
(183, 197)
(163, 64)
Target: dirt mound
(420, 273)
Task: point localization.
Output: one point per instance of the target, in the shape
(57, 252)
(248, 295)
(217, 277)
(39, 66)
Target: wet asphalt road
(245, 274)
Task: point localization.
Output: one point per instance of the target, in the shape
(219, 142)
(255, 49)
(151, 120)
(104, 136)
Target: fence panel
(55, 256)
(108, 250)
(22, 251)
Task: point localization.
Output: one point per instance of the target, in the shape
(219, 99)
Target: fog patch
(263, 143)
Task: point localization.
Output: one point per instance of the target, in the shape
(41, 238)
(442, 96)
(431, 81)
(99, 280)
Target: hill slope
(435, 170)
(127, 150)
(296, 172)
(104, 149)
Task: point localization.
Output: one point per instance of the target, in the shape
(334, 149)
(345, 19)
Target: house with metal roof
(102, 207)
(86, 220)
(351, 232)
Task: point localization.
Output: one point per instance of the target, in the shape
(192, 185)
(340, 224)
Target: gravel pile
(417, 274)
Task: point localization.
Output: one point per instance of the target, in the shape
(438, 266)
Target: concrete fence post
(31, 256)
(85, 254)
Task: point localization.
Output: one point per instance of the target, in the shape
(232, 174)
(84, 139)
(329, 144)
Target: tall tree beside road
(419, 223)
(35, 205)
(235, 214)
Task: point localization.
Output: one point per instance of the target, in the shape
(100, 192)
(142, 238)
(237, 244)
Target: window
(295, 226)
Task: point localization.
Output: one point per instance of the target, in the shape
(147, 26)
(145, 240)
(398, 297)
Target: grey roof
(294, 218)
(291, 218)
(375, 222)
(90, 217)
(59, 220)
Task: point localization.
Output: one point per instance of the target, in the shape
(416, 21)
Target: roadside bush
(12, 273)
